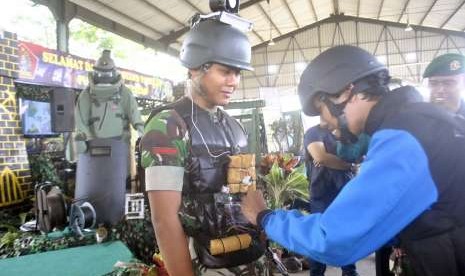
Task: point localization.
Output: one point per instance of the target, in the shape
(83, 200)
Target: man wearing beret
(446, 81)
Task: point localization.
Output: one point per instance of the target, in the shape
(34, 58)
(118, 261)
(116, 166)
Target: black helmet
(214, 41)
(105, 69)
(334, 69)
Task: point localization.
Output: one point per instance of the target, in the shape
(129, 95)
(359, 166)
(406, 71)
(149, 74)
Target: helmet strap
(347, 137)
(197, 84)
(196, 88)
(337, 110)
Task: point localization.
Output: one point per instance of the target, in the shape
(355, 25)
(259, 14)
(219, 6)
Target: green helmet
(334, 69)
(211, 41)
(445, 65)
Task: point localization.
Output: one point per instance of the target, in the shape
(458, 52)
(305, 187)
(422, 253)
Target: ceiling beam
(257, 66)
(268, 17)
(152, 6)
(119, 29)
(193, 6)
(291, 13)
(403, 10)
(312, 6)
(342, 18)
(336, 6)
(453, 14)
(127, 17)
(399, 52)
(249, 3)
(174, 35)
(258, 35)
(427, 12)
(380, 9)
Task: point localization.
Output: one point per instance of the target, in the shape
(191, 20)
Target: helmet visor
(104, 76)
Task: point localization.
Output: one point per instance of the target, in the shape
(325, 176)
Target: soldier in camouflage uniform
(185, 145)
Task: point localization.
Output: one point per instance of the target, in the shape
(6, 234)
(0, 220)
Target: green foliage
(41, 29)
(283, 181)
(42, 169)
(86, 34)
(8, 239)
(20, 244)
(90, 34)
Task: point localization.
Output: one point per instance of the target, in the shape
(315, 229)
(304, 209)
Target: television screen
(36, 119)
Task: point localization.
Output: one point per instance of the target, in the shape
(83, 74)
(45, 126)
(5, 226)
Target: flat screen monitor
(36, 119)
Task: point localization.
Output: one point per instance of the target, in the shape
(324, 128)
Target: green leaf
(281, 187)
(158, 122)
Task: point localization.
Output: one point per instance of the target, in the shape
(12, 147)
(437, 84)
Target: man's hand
(252, 204)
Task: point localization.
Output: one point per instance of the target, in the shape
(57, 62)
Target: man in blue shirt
(327, 174)
(410, 184)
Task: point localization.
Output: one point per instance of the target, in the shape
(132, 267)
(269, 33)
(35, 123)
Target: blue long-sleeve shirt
(393, 187)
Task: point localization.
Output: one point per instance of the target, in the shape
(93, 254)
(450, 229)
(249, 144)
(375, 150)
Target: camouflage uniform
(164, 145)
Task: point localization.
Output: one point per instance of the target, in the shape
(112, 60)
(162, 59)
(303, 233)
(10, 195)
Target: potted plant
(284, 179)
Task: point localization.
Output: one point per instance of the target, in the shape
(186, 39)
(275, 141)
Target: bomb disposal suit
(103, 113)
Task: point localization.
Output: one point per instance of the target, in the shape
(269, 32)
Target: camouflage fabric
(138, 235)
(165, 139)
(165, 144)
(30, 243)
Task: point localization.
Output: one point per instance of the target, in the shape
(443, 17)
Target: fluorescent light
(272, 69)
(408, 28)
(411, 57)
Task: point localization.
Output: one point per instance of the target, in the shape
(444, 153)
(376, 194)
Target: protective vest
(442, 137)
(218, 213)
(106, 112)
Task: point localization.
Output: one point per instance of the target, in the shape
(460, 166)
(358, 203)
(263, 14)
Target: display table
(97, 259)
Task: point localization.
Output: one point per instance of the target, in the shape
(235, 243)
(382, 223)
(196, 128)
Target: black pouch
(229, 221)
(231, 259)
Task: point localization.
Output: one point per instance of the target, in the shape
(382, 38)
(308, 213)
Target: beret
(445, 65)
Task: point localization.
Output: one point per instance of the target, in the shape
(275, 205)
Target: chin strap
(347, 137)
(337, 110)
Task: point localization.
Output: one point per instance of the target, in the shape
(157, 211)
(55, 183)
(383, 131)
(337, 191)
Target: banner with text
(43, 66)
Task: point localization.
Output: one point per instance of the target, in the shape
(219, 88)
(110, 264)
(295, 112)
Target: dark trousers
(318, 269)
(439, 255)
(382, 261)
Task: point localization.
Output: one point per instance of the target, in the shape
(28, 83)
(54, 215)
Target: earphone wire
(200, 133)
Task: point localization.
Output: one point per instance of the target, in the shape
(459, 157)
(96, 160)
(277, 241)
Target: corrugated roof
(161, 24)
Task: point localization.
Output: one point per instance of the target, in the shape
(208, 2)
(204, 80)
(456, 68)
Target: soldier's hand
(252, 204)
